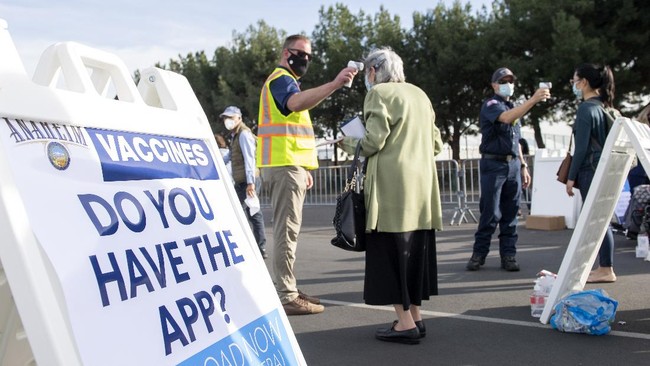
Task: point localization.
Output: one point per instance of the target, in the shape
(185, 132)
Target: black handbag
(350, 215)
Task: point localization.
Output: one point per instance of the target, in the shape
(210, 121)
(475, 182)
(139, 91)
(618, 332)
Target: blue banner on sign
(129, 156)
(263, 341)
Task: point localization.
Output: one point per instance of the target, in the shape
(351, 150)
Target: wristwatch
(524, 165)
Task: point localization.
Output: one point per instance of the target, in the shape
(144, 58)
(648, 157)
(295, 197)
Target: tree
(545, 41)
(235, 74)
(450, 53)
(341, 36)
(202, 76)
(336, 39)
(384, 30)
(626, 26)
(244, 67)
(448, 62)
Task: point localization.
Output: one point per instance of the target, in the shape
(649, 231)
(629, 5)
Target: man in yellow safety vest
(286, 151)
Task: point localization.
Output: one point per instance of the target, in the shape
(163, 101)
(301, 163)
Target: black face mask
(298, 65)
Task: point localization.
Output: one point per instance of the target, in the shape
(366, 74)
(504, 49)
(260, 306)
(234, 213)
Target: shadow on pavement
(490, 322)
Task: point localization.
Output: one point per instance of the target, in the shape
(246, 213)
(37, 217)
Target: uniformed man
(503, 170)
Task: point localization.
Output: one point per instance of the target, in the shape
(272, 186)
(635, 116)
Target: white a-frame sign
(122, 241)
(626, 138)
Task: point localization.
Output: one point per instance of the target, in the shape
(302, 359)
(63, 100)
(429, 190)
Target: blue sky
(144, 32)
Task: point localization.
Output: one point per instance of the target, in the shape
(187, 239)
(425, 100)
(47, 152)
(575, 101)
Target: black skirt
(401, 268)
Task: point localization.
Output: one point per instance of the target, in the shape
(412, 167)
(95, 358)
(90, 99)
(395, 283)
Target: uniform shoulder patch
(491, 102)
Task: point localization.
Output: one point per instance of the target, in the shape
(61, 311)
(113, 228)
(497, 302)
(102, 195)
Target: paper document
(353, 128)
(329, 142)
(253, 204)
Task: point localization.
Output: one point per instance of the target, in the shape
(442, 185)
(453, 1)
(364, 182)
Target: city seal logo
(58, 155)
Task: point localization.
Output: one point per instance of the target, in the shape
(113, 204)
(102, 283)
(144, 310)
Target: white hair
(388, 66)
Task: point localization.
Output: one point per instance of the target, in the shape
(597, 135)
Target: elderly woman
(401, 195)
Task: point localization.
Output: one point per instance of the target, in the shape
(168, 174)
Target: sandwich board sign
(123, 242)
(625, 139)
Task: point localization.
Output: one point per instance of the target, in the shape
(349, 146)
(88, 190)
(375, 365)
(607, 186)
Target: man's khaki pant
(288, 185)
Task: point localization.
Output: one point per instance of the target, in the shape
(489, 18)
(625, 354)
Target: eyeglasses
(573, 81)
(378, 64)
(504, 82)
(300, 53)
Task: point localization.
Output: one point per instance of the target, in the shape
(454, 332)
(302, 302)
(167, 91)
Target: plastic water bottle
(537, 302)
(642, 247)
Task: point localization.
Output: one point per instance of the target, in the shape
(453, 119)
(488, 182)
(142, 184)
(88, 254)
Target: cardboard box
(545, 222)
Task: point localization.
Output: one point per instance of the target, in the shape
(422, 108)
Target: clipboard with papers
(352, 128)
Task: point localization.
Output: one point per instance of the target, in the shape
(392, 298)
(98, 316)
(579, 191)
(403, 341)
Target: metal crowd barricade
(462, 208)
(448, 182)
(328, 184)
(470, 191)
(330, 181)
(459, 186)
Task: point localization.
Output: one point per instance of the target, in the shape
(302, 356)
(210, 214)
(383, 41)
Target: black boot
(509, 264)
(475, 262)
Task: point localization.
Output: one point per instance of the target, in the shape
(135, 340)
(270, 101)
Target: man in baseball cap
(244, 171)
(503, 170)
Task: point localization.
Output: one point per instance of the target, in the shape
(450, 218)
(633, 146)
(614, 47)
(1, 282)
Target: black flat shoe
(418, 323)
(409, 336)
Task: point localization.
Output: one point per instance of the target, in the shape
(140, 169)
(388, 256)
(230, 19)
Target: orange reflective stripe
(266, 115)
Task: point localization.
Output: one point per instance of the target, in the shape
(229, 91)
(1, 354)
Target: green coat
(401, 141)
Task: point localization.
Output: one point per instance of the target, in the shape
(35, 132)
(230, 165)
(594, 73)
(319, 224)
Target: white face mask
(368, 84)
(230, 123)
(506, 90)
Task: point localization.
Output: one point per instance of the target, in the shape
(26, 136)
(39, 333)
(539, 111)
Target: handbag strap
(609, 120)
(593, 139)
(355, 161)
(356, 172)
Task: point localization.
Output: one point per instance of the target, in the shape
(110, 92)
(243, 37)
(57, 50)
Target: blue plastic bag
(589, 312)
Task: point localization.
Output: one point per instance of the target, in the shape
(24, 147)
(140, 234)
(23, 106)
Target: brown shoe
(311, 299)
(302, 307)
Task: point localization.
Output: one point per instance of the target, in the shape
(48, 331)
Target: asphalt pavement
(479, 318)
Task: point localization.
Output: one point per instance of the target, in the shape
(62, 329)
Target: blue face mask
(506, 90)
(577, 91)
(368, 85)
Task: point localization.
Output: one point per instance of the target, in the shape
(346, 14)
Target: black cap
(501, 73)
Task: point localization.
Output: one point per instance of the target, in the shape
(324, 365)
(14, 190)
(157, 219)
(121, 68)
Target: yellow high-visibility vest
(283, 140)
